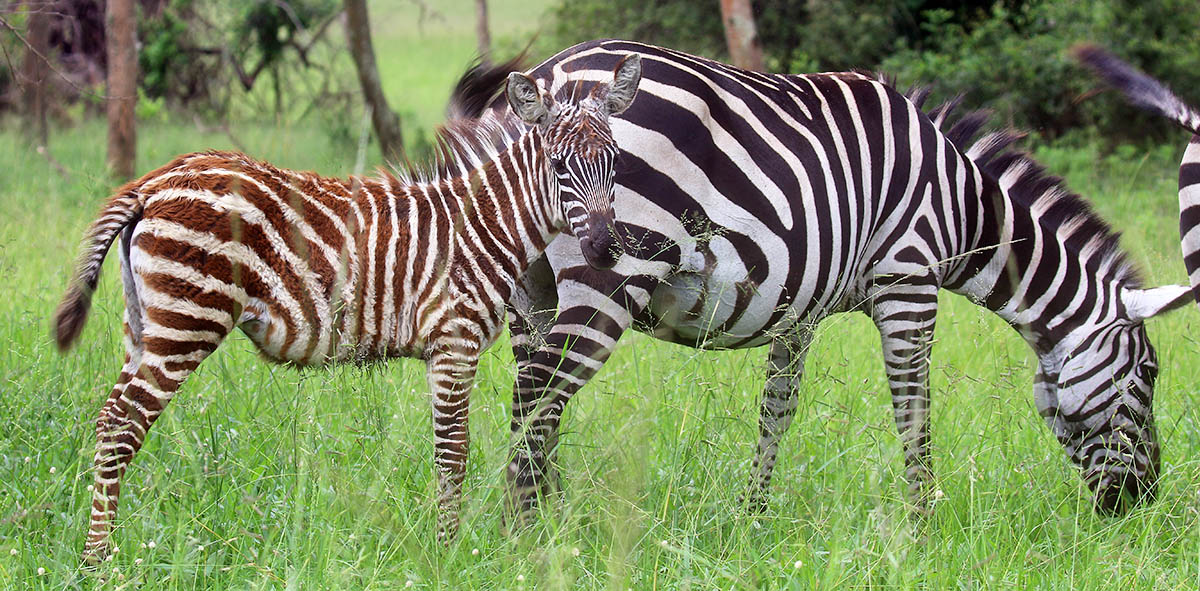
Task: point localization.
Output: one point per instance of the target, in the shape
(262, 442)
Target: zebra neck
(507, 206)
(454, 245)
(1035, 273)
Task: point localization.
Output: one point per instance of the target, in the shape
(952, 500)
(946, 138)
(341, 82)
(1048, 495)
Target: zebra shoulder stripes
(319, 270)
(754, 205)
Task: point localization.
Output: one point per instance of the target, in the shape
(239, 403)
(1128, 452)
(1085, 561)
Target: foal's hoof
(755, 503)
(91, 561)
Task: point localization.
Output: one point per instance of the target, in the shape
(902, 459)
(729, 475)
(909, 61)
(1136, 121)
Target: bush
(1017, 62)
(1009, 55)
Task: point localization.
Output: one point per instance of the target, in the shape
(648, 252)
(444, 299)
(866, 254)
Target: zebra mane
(1070, 215)
(460, 146)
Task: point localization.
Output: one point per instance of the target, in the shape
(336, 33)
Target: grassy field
(262, 477)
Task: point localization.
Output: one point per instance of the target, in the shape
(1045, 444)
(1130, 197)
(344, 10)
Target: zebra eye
(558, 165)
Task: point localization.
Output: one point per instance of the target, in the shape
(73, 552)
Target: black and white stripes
(750, 206)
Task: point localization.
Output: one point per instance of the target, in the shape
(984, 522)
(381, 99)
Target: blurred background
(238, 65)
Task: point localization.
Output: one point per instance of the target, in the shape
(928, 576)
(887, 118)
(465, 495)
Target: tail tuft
(71, 315)
(1139, 89)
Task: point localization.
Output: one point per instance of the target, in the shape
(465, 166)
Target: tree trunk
(120, 34)
(35, 74)
(385, 122)
(482, 33)
(741, 35)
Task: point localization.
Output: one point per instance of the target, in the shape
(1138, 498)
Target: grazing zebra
(1152, 95)
(317, 270)
(751, 206)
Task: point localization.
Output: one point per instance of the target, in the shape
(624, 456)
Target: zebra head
(1100, 407)
(581, 152)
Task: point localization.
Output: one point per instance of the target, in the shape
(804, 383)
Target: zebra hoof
(90, 561)
(754, 503)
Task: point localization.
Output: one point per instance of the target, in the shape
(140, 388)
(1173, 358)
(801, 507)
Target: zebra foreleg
(904, 313)
(450, 371)
(780, 396)
(574, 349)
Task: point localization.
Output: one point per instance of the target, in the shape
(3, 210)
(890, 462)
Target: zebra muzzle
(599, 242)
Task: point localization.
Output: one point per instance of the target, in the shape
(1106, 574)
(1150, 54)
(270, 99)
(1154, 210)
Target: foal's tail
(123, 209)
(1152, 95)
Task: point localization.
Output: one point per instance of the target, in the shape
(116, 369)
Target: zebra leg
(904, 312)
(530, 317)
(159, 359)
(573, 350)
(785, 371)
(451, 373)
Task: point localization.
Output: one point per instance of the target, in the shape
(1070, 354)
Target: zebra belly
(701, 311)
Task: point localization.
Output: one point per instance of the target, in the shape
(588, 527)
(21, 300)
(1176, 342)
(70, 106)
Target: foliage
(1017, 62)
(1007, 55)
(196, 53)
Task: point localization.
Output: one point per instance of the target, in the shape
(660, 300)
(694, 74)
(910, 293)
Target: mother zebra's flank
(754, 205)
(317, 270)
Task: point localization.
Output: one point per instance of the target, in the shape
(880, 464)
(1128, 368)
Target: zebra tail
(1139, 88)
(480, 85)
(1152, 95)
(123, 208)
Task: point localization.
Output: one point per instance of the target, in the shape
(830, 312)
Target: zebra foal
(318, 270)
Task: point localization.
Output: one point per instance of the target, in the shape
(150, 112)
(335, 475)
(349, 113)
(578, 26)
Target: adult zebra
(750, 206)
(318, 271)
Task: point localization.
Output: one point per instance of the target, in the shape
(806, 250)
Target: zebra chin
(598, 242)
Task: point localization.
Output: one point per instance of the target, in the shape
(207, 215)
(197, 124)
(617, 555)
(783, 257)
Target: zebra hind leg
(780, 397)
(904, 313)
(159, 359)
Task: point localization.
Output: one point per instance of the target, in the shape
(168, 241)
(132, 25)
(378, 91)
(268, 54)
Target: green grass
(262, 477)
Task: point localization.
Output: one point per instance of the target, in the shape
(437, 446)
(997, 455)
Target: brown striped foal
(317, 270)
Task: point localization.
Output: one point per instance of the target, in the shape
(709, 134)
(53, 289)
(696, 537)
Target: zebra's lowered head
(1096, 393)
(581, 152)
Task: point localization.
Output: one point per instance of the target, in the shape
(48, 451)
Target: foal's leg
(167, 335)
(451, 374)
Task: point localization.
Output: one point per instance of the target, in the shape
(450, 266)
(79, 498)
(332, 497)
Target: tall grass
(259, 476)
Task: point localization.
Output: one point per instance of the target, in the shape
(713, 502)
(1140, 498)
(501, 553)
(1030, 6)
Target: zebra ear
(624, 86)
(1141, 304)
(527, 100)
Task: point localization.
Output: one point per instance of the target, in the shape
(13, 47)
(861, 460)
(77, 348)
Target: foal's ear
(624, 86)
(527, 100)
(1141, 304)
